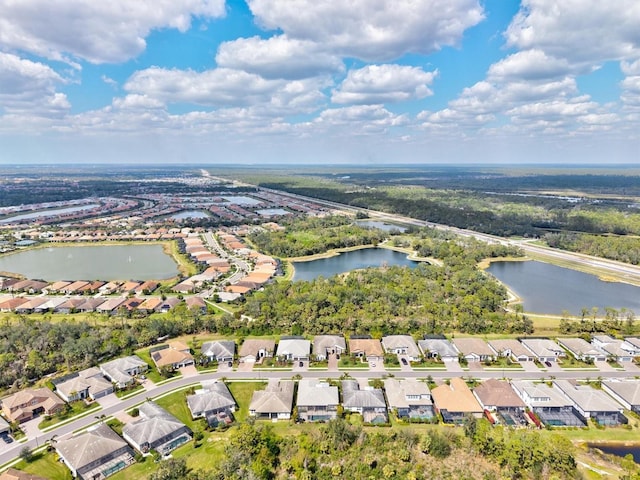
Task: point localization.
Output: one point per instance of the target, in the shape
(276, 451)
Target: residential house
(274, 402)
(582, 350)
(438, 347)
(196, 304)
(51, 304)
(90, 305)
(317, 401)
(5, 429)
(402, 345)
(10, 304)
(150, 305)
(122, 371)
(95, 453)
(31, 304)
(474, 349)
(293, 348)
(110, 306)
(213, 402)
(368, 402)
(156, 429)
(543, 349)
(619, 350)
(70, 305)
(88, 383)
(255, 349)
(498, 397)
(174, 355)
(30, 403)
(168, 304)
(454, 401)
(325, 345)
(13, 474)
(366, 347)
(551, 406)
(219, 350)
(511, 348)
(410, 398)
(592, 403)
(626, 392)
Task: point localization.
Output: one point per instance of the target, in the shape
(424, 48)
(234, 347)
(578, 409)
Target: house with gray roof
(410, 398)
(274, 402)
(95, 453)
(325, 345)
(497, 396)
(122, 371)
(548, 403)
(626, 392)
(156, 429)
(592, 403)
(255, 349)
(293, 348)
(402, 345)
(213, 402)
(219, 350)
(317, 401)
(582, 350)
(511, 348)
(438, 348)
(370, 402)
(89, 383)
(545, 350)
(619, 350)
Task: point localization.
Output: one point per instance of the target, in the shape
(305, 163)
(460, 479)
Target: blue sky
(314, 81)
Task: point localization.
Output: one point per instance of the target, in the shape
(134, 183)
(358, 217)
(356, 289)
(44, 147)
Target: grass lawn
(242, 392)
(139, 470)
(152, 374)
(129, 391)
(45, 463)
(77, 408)
(176, 404)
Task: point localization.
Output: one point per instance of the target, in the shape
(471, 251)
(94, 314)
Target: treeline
(312, 235)
(340, 450)
(622, 249)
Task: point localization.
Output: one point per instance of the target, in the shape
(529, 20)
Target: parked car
(547, 363)
(404, 361)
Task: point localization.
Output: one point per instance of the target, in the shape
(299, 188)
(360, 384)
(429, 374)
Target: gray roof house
(592, 403)
(317, 401)
(411, 398)
(274, 402)
(545, 350)
(219, 350)
(156, 429)
(511, 348)
(95, 454)
(254, 349)
(213, 402)
(293, 348)
(620, 350)
(402, 345)
(582, 350)
(627, 392)
(89, 383)
(325, 345)
(122, 370)
(474, 349)
(370, 402)
(439, 348)
(548, 403)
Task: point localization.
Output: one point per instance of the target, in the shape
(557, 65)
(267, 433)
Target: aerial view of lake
(546, 288)
(271, 212)
(387, 227)
(619, 449)
(189, 214)
(347, 261)
(48, 213)
(107, 262)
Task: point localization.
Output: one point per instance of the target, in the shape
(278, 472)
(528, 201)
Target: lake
(348, 261)
(48, 213)
(618, 449)
(387, 227)
(189, 214)
(546, 288)
(106, 262)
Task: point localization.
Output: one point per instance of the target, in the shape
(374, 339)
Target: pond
(49, 213)
(618, 449)
(546, 288)
(348, 261)
(189, 214)
(272, 212)
(387, 227)
(105, 262)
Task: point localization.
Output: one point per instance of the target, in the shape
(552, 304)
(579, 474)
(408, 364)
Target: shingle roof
(90, 446)
(293, 346)
(496, 393)
(323, 342)
(443, 347)
(313, 393)
(455, 397)
(353, 397)
(213, 397)
(155, 424)
(276, 398)
(368, 346)
(628, 390)
(392, 342)
(473, 345)
(540, 394)
(219, 348)
(399, 392)
(587, 398)
(252, 346)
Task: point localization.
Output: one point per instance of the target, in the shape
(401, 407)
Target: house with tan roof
(367, 348)
(57, 287)
(74, 287)
(455, 401)
(30, 403)
(401, 345)
(150, 304)
(498, 397)
(11, 304)
(174, 355)
(95, 454)
(511, 348)
(13, 474)
(410, 398)
(70, 305)
(544, 349)
(274, 402)
(325, 345)
(31, 304)
(474, 349)
(255, 349)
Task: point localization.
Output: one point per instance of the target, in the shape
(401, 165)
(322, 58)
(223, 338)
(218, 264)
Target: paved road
(9, 452)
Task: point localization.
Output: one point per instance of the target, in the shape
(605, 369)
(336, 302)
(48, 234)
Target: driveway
(189, 371)
(453, 366)
(630, 367)
(604, 366)
(245, 366)
(403, 367)
(332, 362)
(298, 368)
(475, 366)
(376, 365)
(530, 366)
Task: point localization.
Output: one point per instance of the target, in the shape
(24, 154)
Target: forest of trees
(621, 248)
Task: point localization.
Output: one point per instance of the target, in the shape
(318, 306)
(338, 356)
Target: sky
(320, 81)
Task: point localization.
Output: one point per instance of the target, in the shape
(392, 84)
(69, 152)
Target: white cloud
(97, 31)
(137, 102)
(278, 57)
(529, 65)
(384, 83)
(375, 30)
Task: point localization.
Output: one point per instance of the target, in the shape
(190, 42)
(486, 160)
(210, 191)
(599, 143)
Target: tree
(172, 469)
(26, 454)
